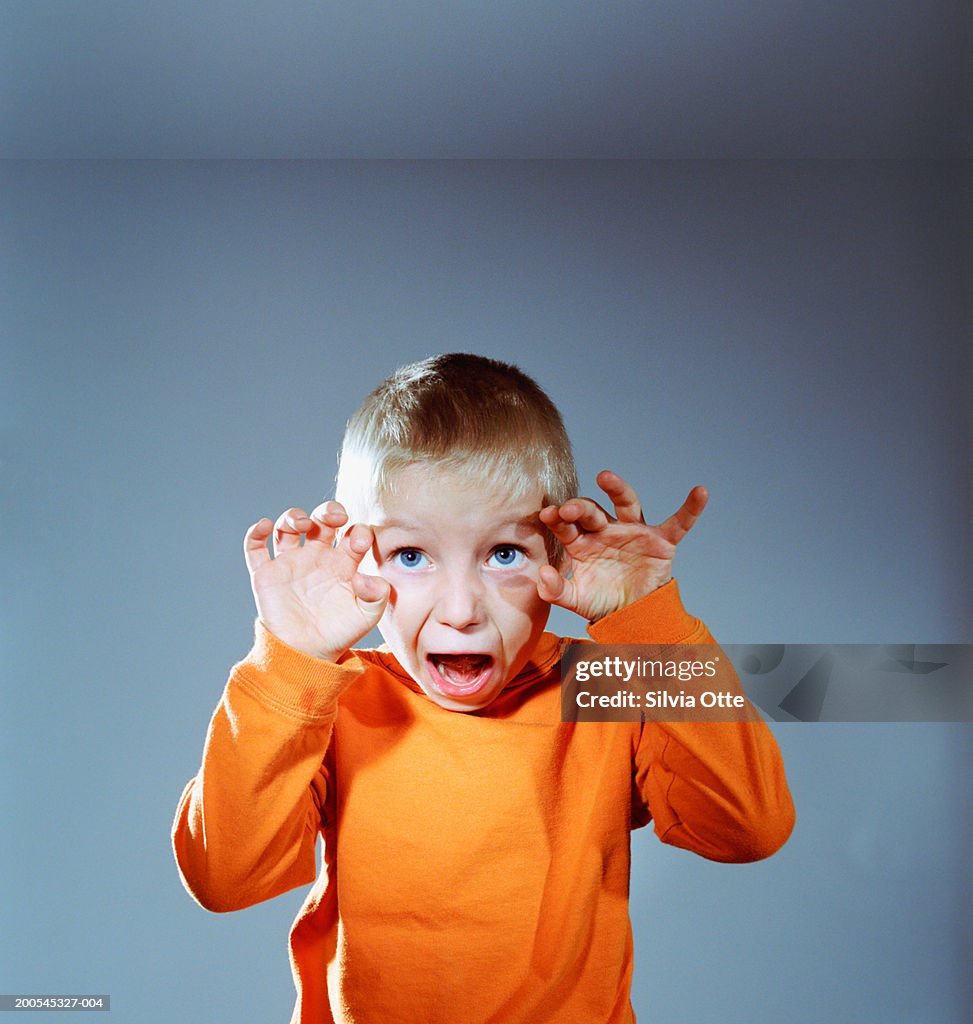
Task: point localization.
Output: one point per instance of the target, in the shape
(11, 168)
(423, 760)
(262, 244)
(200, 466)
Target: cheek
(403, 615)
(520, 592)
(396, 634)
(522, 613)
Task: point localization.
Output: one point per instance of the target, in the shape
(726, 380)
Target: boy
(476, 848)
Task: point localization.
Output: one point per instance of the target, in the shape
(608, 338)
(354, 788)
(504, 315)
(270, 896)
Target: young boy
(476, 848)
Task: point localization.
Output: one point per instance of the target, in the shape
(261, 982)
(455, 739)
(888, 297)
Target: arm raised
(247, 825)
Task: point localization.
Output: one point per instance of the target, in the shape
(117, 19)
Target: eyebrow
(399, 524)
(413, 524)
(528, 520)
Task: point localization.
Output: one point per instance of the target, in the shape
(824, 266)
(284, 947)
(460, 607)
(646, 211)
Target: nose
(459, 602)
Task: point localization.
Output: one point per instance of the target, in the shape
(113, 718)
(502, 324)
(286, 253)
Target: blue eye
(409, 558)
(506, 555)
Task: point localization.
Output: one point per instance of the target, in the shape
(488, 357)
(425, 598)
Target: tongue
(461, 668)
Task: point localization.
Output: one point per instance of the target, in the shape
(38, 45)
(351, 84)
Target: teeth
(461, 668)
(466, 662)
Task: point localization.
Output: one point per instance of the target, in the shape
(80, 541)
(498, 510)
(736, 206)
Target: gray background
(461, 78)
(184, 345)
(183, 341)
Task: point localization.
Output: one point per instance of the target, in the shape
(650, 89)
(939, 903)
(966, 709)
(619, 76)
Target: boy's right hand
(312, 596)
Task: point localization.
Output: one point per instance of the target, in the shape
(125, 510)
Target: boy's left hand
(613, 561)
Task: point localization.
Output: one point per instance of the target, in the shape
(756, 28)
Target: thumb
(371, 596)
(555, 589)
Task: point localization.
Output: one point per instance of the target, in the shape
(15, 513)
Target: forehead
(432, 497)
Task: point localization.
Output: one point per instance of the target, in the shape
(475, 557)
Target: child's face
(462, 562)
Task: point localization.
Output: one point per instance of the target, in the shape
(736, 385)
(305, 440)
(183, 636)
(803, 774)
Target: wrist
(628, 599)
(306, 645)
(659, 617)
(292, 679)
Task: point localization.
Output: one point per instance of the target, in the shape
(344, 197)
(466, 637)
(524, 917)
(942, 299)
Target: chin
(473, 703)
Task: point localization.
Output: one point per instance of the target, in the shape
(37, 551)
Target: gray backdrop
(182, 343)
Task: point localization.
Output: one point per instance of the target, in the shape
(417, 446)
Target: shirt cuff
(292, 681)
(657, 618)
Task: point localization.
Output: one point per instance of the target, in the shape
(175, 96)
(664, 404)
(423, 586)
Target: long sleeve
(716, 788)
(247, 825)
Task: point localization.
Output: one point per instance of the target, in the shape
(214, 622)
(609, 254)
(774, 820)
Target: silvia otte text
(660, 699)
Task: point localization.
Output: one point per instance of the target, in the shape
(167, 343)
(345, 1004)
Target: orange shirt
(476, 865)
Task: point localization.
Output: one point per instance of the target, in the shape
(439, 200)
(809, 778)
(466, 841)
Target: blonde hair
(476, 416)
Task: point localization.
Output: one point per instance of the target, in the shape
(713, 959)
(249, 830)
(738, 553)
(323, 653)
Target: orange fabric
(476, 865)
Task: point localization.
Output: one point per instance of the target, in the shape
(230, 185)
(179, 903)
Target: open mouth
(460, 675)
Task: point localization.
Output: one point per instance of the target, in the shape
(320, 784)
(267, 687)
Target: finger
(255, 551)
(584, 513)
(326, 520)
(681, 522)
(555, 589)
(565, 532)
(371, 595)
(356, 543)
(550, 583)
(289, 527)
(625, 501)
